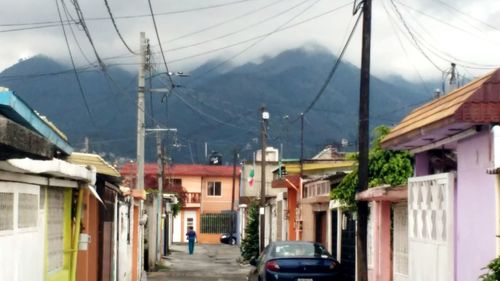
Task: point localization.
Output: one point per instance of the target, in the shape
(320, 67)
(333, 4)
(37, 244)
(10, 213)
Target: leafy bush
(250, 244)
(493, 273)
(384, 167)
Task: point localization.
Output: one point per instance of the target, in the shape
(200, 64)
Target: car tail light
(333, 265)
(272, 265)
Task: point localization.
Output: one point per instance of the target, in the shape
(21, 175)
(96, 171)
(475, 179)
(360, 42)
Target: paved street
(209, 262)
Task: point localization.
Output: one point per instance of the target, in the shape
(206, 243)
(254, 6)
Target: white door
(430, 227)
(189, 221)
(176, 230)
(400, 242)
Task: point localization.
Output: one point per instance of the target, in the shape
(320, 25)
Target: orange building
(206, 193)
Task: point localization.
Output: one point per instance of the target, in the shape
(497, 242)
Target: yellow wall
(64, 273)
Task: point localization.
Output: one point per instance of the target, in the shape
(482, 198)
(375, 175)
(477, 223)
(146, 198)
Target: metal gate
(430, 227)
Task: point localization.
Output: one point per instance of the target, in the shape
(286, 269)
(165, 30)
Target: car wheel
(232, 241)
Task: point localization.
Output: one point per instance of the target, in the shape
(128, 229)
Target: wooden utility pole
(263, 140)
(363, 135)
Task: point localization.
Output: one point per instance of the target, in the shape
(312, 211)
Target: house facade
(452, 205)
(38, 191)
(205, 192)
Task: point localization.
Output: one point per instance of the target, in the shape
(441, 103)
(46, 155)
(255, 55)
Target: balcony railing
(192, 198)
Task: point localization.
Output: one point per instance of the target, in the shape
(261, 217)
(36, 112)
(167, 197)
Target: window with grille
(214, 188)
(6, 211)
(27, 214)
(55, 231)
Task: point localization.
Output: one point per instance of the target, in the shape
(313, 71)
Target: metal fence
(218, 223)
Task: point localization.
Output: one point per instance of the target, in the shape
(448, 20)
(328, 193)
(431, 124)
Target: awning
(384, 193)
(54, 167)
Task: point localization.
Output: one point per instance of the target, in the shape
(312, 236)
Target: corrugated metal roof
(18, 111)
(102, 167)
(477, 102)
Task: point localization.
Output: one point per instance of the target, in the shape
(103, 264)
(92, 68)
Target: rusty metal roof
(476, 103)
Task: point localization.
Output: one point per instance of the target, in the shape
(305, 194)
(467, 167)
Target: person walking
(191, 236)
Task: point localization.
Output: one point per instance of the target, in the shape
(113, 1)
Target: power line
(435, 51)
(393, 26)
(74, 67)
(333, 70)
(261, 39)
(403, 21)
(274, 16)
(87, 32)
(226, 21)
(172, 85)
(138, 16)
(246, 40)
(467, 15)
(116, 28)
(68, 16)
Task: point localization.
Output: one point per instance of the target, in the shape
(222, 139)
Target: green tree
(250, 244)
(384, 167)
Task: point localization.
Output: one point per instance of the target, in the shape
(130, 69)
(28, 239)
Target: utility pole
(263, 136)
(140, 141)
(301, 144)
(159, 152)
(235, 158)
(363, 135)
(160, 172)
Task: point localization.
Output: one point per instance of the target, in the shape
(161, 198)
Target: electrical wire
(467, 15)
(419, 48)
(172, 85)
(332, 71)
(225, 21)
(443, 55)
(116, 28)
(68, 17)
(82, 22)
(393, 27)
(252, 25)
(80, 87)
(137, 16)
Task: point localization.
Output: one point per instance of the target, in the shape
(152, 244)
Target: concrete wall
(475, 208)
(254, 191)
(125, 246)
(22, 250)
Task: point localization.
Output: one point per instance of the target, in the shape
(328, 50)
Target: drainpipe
(496, 162)
(76, 233)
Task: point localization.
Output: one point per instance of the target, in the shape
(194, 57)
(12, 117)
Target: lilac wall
(475, 208)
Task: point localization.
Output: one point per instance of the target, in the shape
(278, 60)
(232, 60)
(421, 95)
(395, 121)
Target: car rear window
(299, 250)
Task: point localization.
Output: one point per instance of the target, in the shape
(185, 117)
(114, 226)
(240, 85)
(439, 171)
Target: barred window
(27, 214)
(6, 211)
(55, 221)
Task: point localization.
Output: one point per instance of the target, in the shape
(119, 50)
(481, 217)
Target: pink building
(452, 200)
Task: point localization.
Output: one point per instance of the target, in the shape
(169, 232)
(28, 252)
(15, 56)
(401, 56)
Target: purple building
(453, 217)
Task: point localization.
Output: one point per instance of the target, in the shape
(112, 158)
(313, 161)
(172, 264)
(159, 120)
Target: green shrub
(250, 244)
(493, 273)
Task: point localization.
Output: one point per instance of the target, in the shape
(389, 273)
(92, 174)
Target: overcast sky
(467, 31)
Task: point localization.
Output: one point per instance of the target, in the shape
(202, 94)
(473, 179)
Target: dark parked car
(295, 260)
(227, 238)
